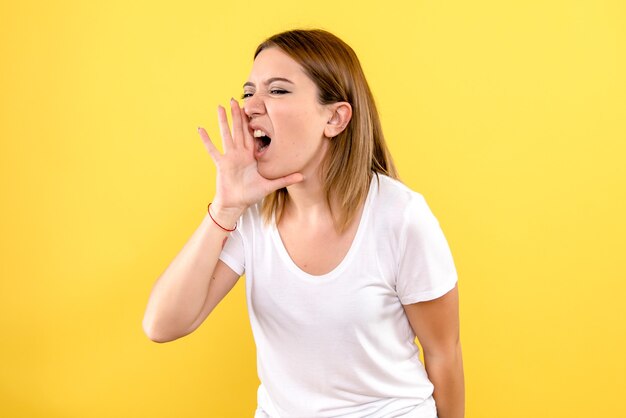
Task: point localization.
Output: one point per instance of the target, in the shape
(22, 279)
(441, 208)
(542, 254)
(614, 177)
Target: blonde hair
(359, 151)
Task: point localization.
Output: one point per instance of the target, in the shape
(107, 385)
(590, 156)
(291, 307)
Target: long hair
(359, 151)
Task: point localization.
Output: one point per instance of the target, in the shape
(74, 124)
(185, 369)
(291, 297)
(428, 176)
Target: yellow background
(509, 117)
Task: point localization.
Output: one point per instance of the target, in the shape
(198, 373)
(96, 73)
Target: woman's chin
(271, 173)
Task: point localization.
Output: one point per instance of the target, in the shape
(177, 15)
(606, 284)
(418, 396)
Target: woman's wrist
(225, 218)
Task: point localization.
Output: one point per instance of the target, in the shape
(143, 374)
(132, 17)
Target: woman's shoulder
(393, 192)
(395, 207)
(403, 209)
(399, 206)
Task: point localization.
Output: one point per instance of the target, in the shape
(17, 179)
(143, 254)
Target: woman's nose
(254, 105)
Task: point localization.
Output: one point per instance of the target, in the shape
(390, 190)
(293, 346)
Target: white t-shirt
(340, 344)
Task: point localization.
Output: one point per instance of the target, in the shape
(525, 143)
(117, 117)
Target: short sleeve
(426, 268)
(233, 254)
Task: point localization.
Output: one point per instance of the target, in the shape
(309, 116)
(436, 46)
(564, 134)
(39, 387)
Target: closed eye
(275, 91)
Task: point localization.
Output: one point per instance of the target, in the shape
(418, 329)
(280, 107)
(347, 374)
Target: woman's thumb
(287, 181)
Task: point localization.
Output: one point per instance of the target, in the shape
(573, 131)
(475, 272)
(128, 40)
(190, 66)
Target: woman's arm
(178, 296)
(436, 325)
(184, 294)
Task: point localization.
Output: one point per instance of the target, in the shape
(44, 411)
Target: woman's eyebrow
(268, 81)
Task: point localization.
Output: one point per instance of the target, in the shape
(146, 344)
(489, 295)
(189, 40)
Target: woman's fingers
(286, 181)
(227, 140)
(213, 152)
(248, 140)
(237, 124)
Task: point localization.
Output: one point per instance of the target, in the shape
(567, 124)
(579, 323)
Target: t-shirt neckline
(356, 242)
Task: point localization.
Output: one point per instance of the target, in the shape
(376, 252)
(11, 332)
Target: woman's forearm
(445, 371)
(179, 293)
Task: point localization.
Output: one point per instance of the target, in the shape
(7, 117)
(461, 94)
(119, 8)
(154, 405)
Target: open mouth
(262, 140)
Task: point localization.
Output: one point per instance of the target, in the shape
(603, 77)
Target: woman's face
(281, 101)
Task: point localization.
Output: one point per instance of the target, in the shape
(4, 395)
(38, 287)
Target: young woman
(344, 264)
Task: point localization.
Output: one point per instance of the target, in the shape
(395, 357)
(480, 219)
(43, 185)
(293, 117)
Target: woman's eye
(273, 91)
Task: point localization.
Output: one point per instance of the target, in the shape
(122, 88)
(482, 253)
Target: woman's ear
(342, 113)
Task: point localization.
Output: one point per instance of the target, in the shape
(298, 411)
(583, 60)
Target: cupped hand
(239, 184)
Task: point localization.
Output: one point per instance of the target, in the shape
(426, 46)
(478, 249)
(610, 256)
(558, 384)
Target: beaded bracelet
(213, 219)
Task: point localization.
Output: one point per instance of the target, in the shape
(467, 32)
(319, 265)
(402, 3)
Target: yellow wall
(509, 117)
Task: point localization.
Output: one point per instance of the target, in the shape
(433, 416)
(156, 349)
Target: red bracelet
(227, 230)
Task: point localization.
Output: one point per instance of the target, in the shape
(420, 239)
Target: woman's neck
(306, 201)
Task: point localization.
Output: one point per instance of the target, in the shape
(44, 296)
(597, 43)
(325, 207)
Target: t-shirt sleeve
(426, 268)
(233, 254)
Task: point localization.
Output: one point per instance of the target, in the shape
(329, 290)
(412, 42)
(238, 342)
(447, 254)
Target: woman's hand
(239, 183)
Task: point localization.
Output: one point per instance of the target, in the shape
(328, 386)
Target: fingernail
(198, 129)
(232, 99)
